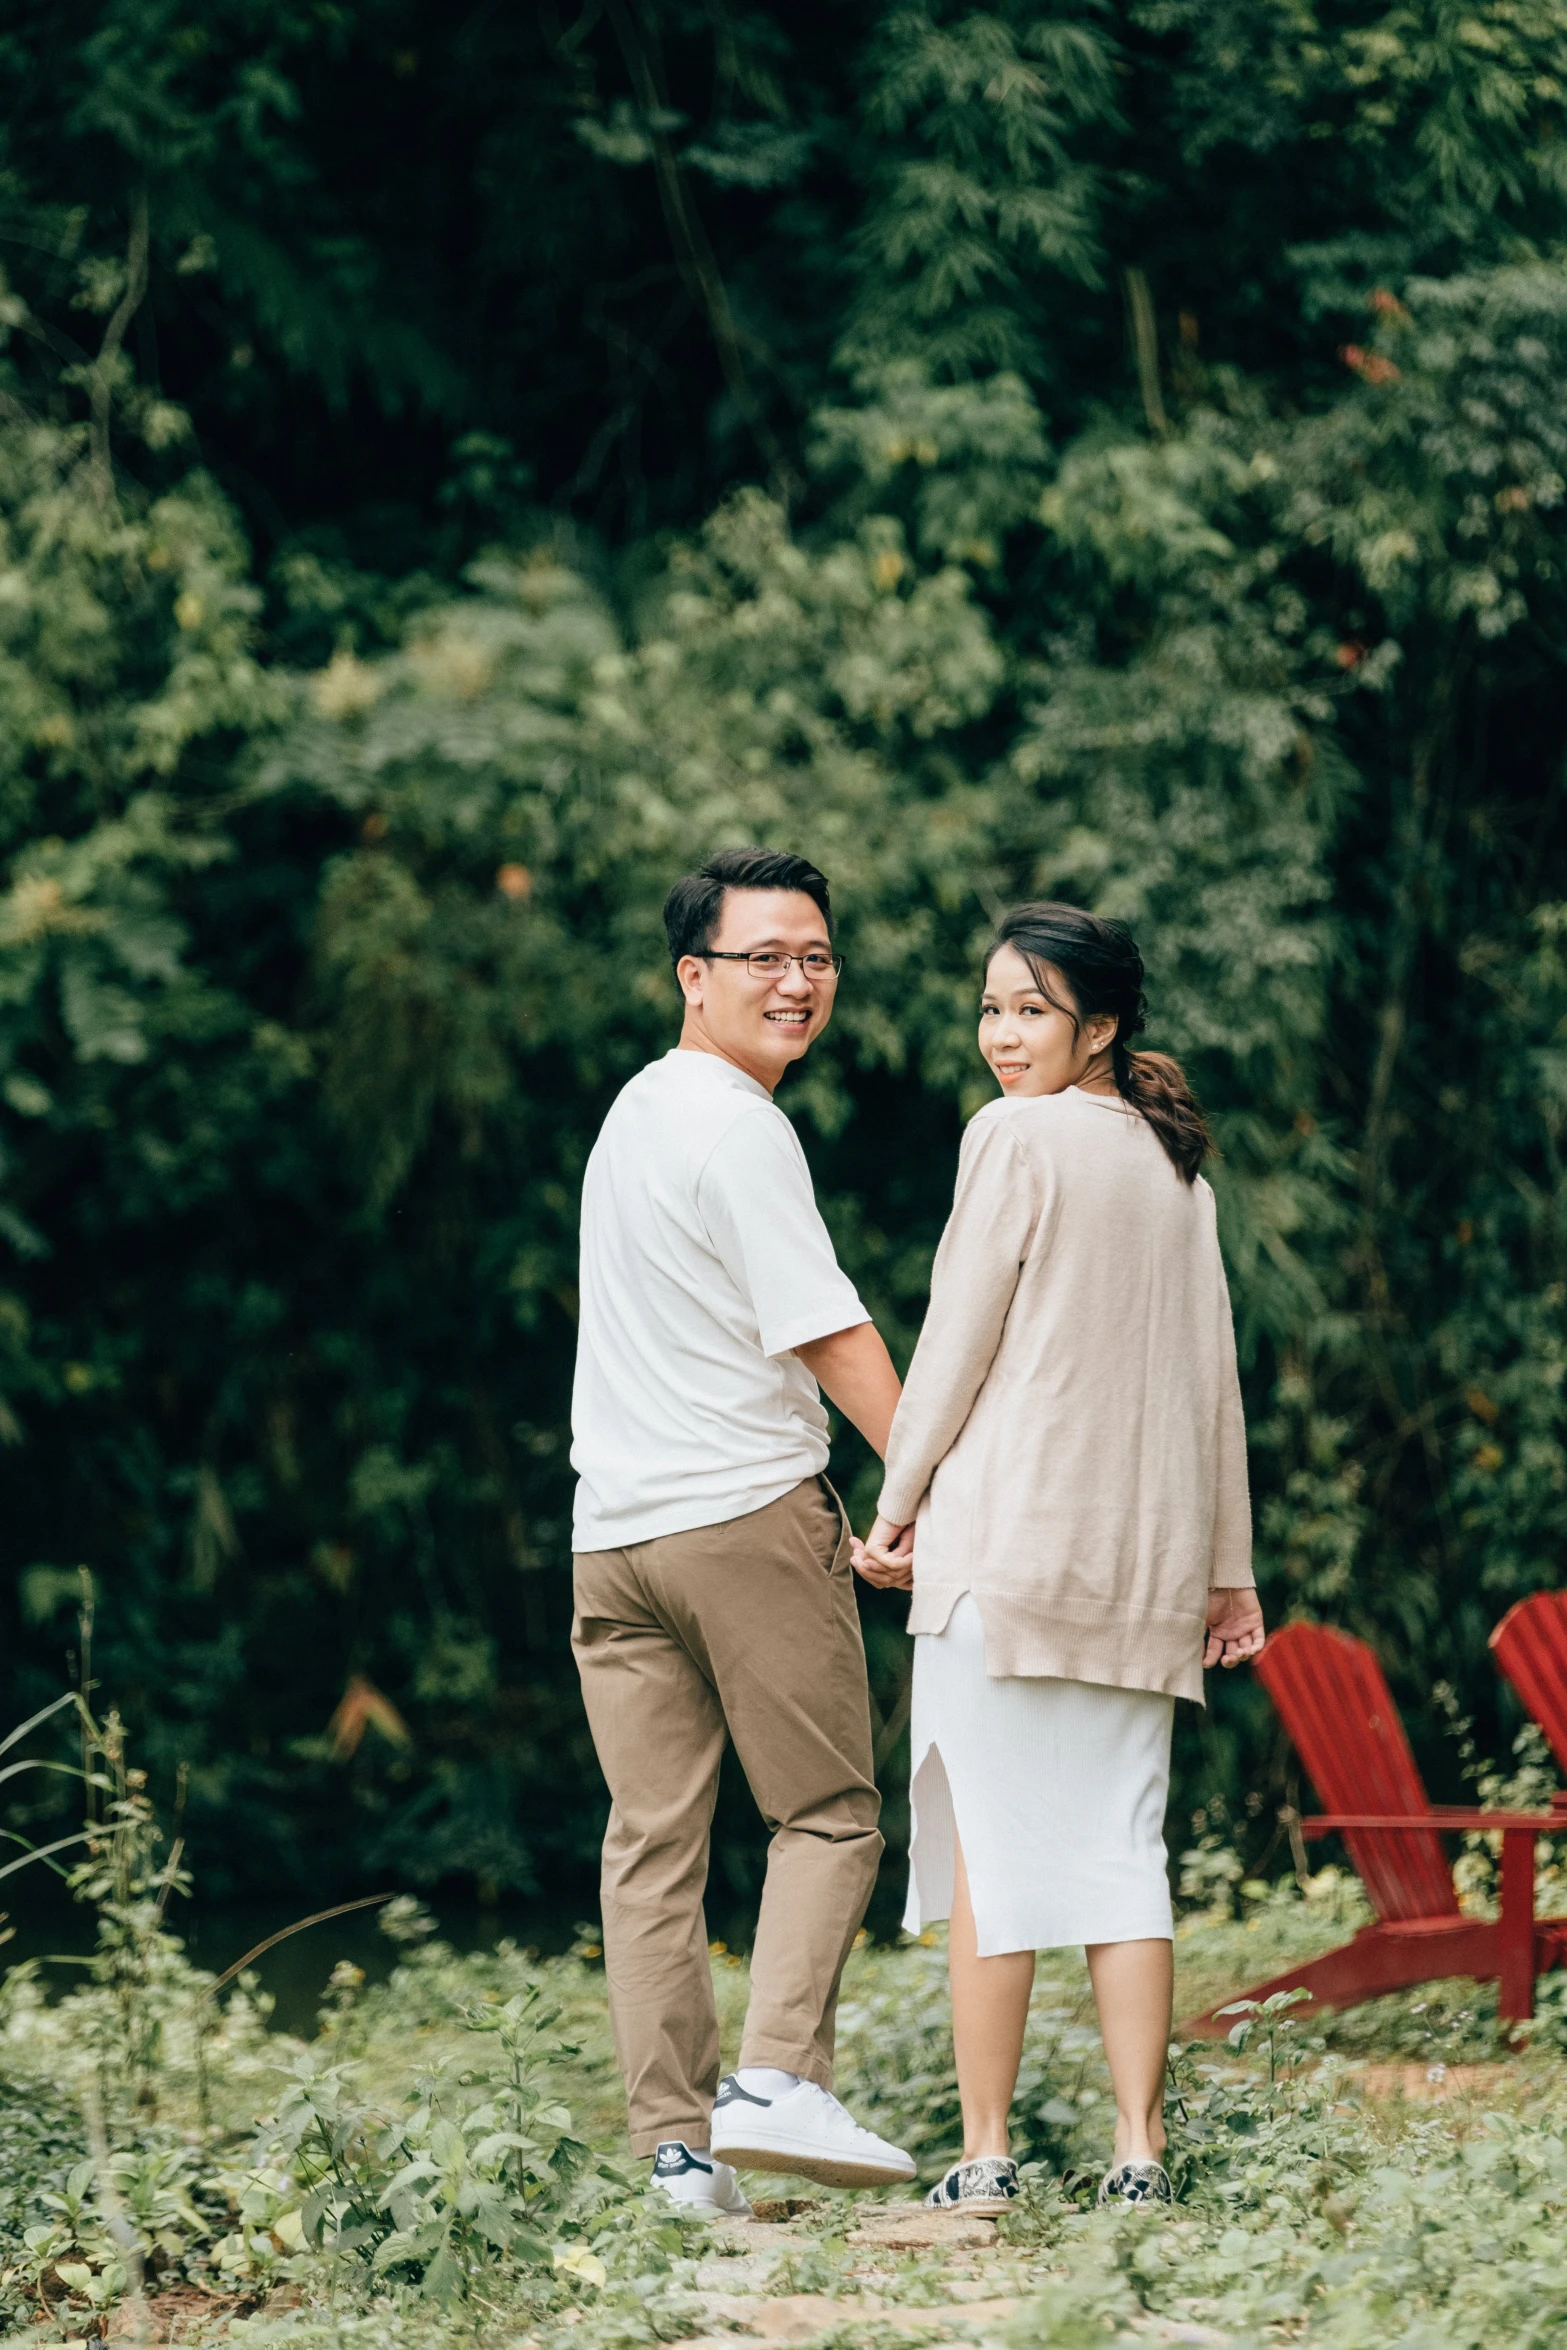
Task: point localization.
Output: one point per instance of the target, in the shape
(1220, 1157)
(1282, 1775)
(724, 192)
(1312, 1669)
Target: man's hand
(855, 1369)
(1235, 1630)
(886, 1557)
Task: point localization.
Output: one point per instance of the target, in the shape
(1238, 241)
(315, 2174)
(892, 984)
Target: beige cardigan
(1070, 1437)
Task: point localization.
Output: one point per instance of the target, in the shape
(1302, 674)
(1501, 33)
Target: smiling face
(1032, 1045)
(761, 1025)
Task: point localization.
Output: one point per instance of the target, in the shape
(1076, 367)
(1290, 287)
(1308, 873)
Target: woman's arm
(1235, 1627)
(994, 1216)
(1231, 1569)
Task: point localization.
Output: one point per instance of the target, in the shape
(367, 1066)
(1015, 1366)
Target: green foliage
(978, 185)
(464, 2178)
(1113, 452)
(429, 2164)
(416, 2173)
(470, 2166)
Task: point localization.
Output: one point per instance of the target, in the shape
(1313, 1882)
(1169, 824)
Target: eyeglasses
(772, 963)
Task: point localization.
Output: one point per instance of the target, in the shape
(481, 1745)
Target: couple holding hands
(1065, 1497)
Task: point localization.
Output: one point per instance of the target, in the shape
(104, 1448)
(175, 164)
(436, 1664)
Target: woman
(1068, 1468)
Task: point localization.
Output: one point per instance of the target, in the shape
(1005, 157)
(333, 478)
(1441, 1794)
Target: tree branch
(694, 256)
(1144, 331)
(1417, 844)
(101, 388)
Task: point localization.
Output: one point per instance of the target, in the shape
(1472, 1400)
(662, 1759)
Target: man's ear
(690, 974)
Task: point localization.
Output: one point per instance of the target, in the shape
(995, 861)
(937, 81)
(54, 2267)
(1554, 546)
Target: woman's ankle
(987, 2146)
(1145, 2144)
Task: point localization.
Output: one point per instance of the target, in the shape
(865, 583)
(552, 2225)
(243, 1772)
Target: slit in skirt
(1056, 1791)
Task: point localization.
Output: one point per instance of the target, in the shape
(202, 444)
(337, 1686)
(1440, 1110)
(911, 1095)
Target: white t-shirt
(704, 1262)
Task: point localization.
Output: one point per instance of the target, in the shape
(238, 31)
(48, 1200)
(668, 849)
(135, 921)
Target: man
(713, 1584)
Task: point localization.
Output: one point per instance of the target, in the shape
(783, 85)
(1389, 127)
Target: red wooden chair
(1530, 1646)
(1336, 1706)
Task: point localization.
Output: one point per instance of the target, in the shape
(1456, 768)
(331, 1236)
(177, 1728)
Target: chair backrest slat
(1335, 1703)
(1530, 1645)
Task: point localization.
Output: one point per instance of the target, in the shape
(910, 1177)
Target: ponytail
(1099, 960)
(1156, 1085)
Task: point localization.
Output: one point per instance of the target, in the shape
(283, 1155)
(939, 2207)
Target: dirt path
(918, 2275)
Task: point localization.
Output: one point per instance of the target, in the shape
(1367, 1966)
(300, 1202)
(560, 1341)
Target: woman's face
(1030, 1042)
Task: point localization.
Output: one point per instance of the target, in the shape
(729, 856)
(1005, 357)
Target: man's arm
(855, 1369)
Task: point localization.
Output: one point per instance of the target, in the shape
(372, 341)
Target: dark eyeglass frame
(816, 978)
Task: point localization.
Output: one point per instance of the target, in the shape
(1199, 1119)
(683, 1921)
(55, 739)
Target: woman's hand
(886, 1556)
(1235, 1630)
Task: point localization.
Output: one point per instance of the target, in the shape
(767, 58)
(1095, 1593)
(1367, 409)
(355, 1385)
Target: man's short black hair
(695, 904)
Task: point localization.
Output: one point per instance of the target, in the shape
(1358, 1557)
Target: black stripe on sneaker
(731, 2093)
(674, 2158)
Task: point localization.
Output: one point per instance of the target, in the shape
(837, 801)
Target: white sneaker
(697, 2183)
(807, 2132)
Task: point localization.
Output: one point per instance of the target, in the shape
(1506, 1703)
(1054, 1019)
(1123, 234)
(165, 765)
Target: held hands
(886, 1556)
(1235, 1630)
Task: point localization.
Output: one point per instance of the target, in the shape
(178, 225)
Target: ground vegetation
(441, 2159)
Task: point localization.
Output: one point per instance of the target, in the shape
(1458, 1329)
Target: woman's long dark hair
(1103, 971)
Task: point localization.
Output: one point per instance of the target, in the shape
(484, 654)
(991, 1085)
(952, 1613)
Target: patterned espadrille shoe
(981, 2189)
(1136, 2182)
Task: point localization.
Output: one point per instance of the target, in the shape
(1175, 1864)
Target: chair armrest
(1449, 1817)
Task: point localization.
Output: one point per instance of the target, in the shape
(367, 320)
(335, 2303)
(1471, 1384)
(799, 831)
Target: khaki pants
(751, 1627)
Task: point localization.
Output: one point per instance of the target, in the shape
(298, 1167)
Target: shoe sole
(712, 2210)
(975, 2207)
(824, 2170)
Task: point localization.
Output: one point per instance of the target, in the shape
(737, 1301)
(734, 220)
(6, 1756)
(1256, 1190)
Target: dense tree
(455, 471)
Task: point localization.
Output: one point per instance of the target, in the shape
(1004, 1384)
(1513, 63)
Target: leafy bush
(484, 2157)
(1149, 497)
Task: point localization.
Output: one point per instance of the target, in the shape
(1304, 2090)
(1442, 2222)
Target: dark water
(294, 1971)
(46, 1924)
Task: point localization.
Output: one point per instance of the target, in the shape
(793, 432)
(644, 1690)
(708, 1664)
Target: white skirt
(1056, 1791)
